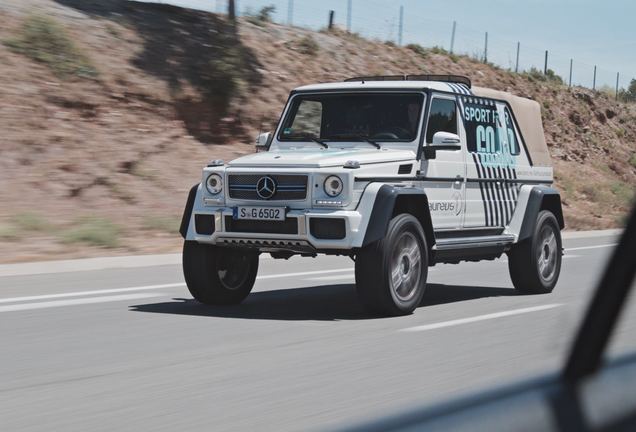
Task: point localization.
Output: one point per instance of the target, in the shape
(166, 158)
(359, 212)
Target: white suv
(399, 173)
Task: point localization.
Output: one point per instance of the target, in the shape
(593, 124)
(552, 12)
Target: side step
(454, 250)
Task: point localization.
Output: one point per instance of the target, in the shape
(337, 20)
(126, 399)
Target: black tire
(535, 263)
(374, 263)
(219, 276)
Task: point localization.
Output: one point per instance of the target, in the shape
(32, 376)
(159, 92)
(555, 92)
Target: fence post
(401, 28)
(349, 16)
(594, 79)
(453, 37)
(545, 66)
(517, 62)
(570, 83)
(331, 14)
(486, 49)
(617, 77)
(290, 12)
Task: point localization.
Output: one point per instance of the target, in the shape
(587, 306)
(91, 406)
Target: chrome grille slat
(288, 186)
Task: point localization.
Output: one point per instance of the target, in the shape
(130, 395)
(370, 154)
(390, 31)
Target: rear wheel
(219, 276)
(391, 273)
(535, 263)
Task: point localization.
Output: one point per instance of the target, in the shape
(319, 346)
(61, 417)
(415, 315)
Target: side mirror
(263, 140)
(442, 141)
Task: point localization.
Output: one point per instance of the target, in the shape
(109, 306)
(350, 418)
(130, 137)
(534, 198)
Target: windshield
(353, 117)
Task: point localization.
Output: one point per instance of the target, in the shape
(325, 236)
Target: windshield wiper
(357, 137)
(308, 136)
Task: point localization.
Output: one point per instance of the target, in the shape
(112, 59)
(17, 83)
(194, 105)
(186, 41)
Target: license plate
(260, 213)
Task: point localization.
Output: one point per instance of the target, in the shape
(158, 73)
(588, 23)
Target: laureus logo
(265, 187)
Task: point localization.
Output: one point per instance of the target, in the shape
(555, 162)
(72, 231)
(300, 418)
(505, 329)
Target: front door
(445, 174)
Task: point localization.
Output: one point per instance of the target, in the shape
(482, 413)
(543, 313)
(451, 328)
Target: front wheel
(219, 276)
(535, 263)
(391, 273)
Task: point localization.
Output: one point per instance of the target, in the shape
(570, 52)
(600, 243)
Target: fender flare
(540, 198)
(187, 212)
(384, 207)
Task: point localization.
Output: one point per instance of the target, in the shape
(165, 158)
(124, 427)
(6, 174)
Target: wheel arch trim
(540, 198)
(187, 212)
(388, 199)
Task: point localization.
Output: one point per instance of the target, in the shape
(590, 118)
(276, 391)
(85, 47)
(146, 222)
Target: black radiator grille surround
(288, 186)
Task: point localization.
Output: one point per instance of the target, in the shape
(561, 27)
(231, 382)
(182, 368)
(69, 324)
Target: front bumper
(300, 238)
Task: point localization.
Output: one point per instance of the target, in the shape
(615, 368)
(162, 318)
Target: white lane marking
(303, 273)
(591, 247)
(89, 300)
(83, 293)
(480, 318)
(147, 287)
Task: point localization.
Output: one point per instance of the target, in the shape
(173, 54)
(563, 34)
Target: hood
(319, 158)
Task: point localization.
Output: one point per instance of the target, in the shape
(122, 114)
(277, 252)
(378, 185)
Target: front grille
(288, 226)
(288, 186)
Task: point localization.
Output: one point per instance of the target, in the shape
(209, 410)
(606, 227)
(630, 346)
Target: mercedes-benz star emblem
(266, 187)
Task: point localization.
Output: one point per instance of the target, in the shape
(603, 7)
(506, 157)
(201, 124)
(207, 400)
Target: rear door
(493, 154)
(445, 174)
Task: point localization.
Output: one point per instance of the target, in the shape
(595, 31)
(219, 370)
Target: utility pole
(290, 12)
(401, 25)
(349, 6)
(570, 84)
(594, 79)
(517, 63)
(453, 37)
(231, 10)
(545, 65)
(486, 48)
(617, 78)
(331, 16)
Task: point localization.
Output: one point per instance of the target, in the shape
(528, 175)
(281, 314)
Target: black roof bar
(459, 79)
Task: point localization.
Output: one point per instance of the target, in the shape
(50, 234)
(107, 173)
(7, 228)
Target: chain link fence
(403, 27)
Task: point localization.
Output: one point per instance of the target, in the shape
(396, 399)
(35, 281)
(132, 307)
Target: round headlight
(214, 184)
(333, 186)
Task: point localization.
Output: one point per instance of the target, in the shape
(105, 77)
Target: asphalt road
(128, 349)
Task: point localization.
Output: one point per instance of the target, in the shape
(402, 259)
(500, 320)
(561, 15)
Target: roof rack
(420, 77)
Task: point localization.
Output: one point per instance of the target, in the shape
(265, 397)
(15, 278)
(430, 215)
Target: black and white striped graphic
(459, 88)
(499, 191)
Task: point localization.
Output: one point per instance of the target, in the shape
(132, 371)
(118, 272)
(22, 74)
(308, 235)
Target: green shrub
(623, 193)
(439, 50)
(44, 40)
(161, 223)
(308, 45)
(417, 49)
(8, 232)
(264, 15)
(93, 231)
(632, 160)
(30, 222)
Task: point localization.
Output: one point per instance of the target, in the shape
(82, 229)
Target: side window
(513, 143)
(482, 125)
(442, 118)
(308, 119)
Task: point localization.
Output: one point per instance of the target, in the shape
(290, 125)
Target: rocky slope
(99, 147)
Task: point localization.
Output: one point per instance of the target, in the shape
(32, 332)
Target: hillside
(100, 144)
